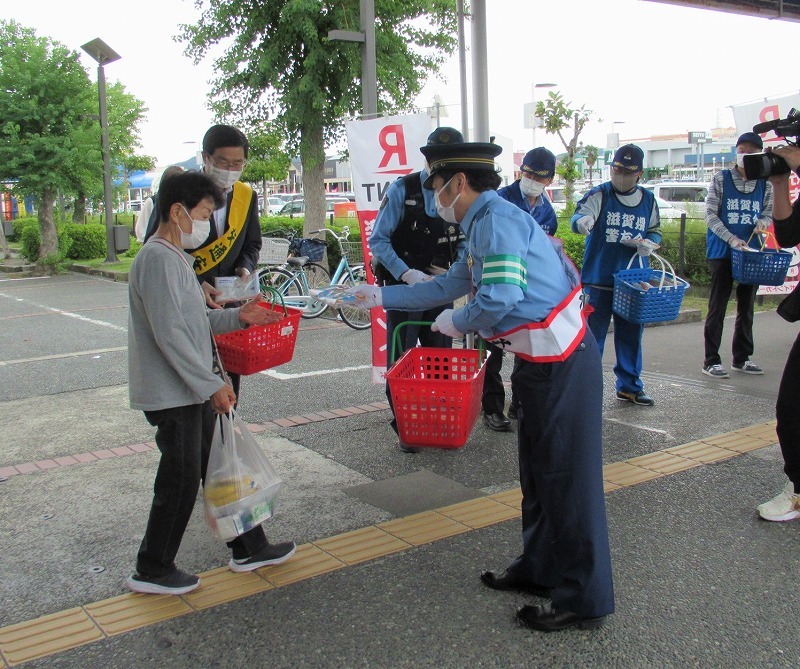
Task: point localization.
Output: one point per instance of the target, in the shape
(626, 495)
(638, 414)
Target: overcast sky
(661, 69)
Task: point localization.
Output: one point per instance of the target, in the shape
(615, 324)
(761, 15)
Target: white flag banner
(770, 109)
(381, 151)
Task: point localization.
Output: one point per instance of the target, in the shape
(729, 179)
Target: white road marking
(57, 356)
(282, 376)
(638, 427)
(69, 314)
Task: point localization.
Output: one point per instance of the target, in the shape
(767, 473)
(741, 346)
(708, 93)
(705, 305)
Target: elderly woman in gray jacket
(172, 379)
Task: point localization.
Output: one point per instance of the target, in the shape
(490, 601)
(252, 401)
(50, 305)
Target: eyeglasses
(226, 165)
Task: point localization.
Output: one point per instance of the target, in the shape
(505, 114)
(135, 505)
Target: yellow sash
(210, 255)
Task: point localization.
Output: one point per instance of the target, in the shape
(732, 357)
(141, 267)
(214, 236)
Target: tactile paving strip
(61, 631)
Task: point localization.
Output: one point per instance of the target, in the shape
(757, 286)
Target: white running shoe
(786, 506)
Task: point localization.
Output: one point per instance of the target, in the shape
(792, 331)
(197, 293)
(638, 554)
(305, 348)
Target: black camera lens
(763, 165)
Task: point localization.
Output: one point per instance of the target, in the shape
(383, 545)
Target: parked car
(666, 210)
(298, 207)
(273, 205)
(680, 193)
(558, 198)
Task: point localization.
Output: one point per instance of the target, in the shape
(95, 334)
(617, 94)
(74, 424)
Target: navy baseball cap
(751, 138)
(540, 162)
(629, 157)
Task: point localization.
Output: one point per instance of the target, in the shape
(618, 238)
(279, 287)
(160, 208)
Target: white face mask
(447, 214)
(224, 179)
(531, 187)
(740, 160)
(199, 233)
(623, 183)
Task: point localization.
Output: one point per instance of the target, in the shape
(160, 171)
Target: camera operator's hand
(736, 243)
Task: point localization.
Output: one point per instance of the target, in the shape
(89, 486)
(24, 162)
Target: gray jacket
(170, 354)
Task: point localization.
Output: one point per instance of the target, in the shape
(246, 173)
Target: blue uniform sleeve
(499, 241)
(545, 216)
(442, 289)
(389, 217)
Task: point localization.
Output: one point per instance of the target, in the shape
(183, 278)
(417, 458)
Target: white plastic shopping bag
(241, 486)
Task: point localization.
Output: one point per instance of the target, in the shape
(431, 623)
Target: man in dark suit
(234, 241)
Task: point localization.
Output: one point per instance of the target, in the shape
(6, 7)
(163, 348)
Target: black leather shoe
(409, 449)
(497, 422)
(547, 618)
(505, 581)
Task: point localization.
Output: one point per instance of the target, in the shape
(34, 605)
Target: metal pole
(533, 120)
(480, 77)
(462, 71)
(111, 255)
(369, 75)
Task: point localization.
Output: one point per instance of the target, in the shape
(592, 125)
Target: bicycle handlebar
(345, 233)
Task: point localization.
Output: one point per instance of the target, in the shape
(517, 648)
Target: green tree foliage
(266, 159)
(558, 116)
(43, 122)
(591, 153)
(279, 64)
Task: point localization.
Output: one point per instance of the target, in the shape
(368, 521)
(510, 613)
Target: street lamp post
(104, 54)
(369, 76)
(613, 139)
(533, 111)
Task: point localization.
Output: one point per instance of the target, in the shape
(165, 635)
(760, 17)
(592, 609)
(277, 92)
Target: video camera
(763, 165)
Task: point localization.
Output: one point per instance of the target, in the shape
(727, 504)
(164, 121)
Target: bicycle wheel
(282, 281)
(317, 277)
(358, 319)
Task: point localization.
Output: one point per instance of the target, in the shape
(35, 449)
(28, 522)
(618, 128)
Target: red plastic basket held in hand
(260, 347)
(436, 393)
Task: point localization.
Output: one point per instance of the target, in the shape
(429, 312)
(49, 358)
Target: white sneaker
(786, 506)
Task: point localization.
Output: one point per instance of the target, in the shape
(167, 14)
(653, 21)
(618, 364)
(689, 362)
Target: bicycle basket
(353, 251)
(313, 249)
(273, 251)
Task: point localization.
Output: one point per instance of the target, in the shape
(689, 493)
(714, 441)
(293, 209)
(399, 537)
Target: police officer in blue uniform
(526, 299)
(409, 243)
(620, 219)
(536, 173)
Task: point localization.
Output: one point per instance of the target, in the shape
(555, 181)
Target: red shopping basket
(260, 347)
(436, 393)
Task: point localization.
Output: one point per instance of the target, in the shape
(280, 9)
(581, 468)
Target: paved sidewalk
(391, 544)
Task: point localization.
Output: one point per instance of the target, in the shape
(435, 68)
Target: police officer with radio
(527, 299)
(410, 243)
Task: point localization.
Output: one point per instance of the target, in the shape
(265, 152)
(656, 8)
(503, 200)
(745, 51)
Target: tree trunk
(312, 156)
(79, 209)
(4, 241)
(47, 226)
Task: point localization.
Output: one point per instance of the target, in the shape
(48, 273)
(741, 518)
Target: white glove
(444, 324)
(367, 296)
(584, 225)
(413, 276)
(736, 243)
(762, 224)
(645, 247)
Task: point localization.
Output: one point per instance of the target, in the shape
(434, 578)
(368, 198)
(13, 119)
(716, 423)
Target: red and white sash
(551, 340)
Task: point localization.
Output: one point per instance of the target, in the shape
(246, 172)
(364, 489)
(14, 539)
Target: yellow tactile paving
(512, 498)
(480, 512)
(129, 612)
(308, 561)
(762, 431)
(47, 636)
(664, 463)
(357, 546)
(624, 474)
(422, 528)
(736, 441)
(61, 631)
(702, 452)
(222, 585)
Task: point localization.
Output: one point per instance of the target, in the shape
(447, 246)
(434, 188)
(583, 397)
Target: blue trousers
(564, 527)
(627, 339)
